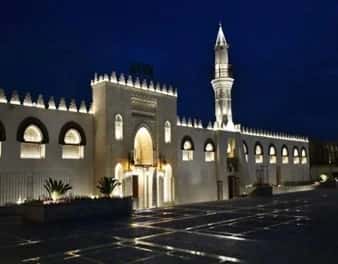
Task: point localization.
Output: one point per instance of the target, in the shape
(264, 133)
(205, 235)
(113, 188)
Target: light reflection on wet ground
(292, 228)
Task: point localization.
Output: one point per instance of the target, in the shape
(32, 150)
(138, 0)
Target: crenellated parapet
(189, 122)
(274, 135)
(129, 81)
(27, 101)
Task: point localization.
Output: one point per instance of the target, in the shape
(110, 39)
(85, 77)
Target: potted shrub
(107, 185)
(56, 189)
(72, 209)
(327, 181)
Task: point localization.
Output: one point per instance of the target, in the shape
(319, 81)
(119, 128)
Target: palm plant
(106, 186)
(56, 189)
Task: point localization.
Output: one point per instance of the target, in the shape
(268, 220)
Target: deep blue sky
(284, 54)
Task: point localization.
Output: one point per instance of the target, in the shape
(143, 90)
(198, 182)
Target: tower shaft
(222, 82)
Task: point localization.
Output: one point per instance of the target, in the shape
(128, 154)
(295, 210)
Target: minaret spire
(222, 82)
(220, 40)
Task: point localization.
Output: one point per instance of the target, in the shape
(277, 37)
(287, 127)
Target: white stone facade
(132, 132)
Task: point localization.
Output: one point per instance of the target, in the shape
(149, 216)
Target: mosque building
(132, 132)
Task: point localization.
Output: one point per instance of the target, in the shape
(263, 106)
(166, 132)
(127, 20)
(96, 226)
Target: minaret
(222, 82)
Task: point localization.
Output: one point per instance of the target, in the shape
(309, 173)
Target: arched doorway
(118, 172)
(168, 184)
(143, 148)
(145, 180)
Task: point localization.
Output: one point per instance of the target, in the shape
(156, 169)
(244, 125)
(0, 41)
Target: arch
(285, 154)
(32, 121)
(259, 152)
(295, 154)
(245, 151)
(32, 134)
(259, 149)
(189, 146)
(209, 149)
(118, 123)
(303, 155)
(118, 174)
(272, 154)
(2, 132)
(168, 184)
(303, 152)
(167, 132)
(143, 147)
(72, 126)
(245, 148)
(209, 145)
(285, 151)
(72, 137)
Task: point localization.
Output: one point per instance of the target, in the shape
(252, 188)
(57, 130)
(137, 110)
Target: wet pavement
(290, 228)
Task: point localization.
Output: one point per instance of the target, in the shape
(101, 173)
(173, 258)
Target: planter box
(78, 210)
(265, 191)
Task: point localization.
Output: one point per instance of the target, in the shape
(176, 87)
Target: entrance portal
(143, 148)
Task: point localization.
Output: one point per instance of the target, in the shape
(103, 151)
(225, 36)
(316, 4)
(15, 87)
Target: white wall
(24, 177)
(196, 180)
(289, 172)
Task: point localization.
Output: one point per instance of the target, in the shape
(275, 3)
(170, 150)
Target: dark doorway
(135, 190)
(233, 186)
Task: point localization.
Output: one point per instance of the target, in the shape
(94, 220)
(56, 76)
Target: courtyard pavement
(290, 228)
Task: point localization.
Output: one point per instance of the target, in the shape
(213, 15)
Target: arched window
(296, 159)
(187, 147)
(167, 132)
(304, 156)
(2, 136)
(272, 154)
(33, 136)
(245, 151)
(209, 150)
(118, 127)
(285, 155)
(258, 153)
(231, 147)
(32, 148)
(72, 138)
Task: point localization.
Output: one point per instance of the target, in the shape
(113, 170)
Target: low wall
(290, 189)
(77, 210)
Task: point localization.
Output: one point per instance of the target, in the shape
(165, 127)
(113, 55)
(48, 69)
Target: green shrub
(56, 189)
(106, 186)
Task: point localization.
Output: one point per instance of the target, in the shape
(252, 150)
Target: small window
(304, 156)
(2, 136)
(187, 149)
(246, 152)
(231, 148)
(285, 155)
(118, 127)
(296, 159)
(258, 153)
(72, 148)
(209, 150)
(32, 147)
(272, 155)
(167, 132)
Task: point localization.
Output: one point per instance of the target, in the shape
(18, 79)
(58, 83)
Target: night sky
(284, 54)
